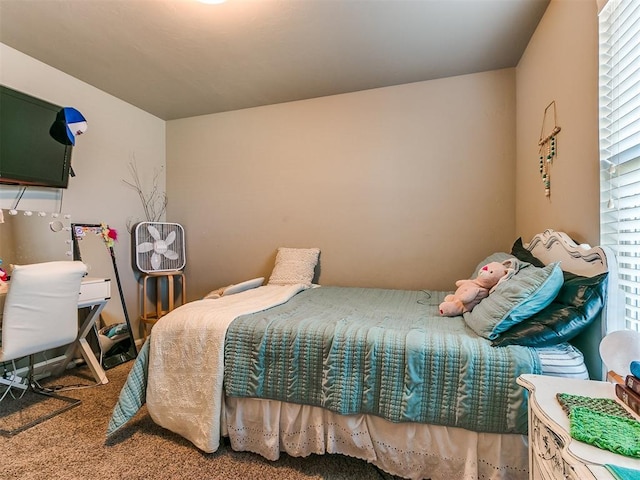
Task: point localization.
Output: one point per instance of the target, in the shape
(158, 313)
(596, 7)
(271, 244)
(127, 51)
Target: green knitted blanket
(602, 422)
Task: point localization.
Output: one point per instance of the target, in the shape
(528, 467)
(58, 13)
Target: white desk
(94, 294)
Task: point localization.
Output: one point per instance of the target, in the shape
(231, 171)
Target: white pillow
(294, 265)
(241, 287)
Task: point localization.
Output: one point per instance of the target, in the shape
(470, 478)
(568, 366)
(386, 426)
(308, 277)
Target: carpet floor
(72, 446)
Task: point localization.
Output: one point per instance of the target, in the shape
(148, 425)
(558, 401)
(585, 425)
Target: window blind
(619, 50)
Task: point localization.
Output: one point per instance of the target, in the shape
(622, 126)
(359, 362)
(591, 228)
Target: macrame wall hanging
(548, 146)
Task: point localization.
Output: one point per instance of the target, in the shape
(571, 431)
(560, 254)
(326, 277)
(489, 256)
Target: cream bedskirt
(410, 450)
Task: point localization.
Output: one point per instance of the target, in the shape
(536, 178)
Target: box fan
(159, 247)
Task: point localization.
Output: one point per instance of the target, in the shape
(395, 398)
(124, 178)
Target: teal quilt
(382, 352)
(133, 393)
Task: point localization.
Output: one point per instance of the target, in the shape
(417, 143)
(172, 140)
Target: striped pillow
(562, 360)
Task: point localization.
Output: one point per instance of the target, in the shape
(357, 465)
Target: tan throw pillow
(294, 265)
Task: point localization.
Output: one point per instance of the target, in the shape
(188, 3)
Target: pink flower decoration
(109, 235)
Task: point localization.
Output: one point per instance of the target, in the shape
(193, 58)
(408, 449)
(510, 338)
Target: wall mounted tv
(29, 155)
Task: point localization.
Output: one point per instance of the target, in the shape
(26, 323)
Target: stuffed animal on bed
(470, 292)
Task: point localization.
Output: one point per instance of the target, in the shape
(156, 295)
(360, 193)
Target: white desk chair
(40, 313)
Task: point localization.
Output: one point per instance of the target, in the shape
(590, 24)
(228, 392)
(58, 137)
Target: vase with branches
(154, 202)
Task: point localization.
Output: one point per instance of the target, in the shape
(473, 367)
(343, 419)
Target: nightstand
(553, 454)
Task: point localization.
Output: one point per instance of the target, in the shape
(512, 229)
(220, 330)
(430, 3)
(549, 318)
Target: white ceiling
(181, 58)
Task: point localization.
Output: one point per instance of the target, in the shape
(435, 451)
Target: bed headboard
(551, 246)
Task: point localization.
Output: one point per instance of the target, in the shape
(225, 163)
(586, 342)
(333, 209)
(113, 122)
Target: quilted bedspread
(382, 352)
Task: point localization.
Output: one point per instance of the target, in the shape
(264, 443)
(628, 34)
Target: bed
(376, 374)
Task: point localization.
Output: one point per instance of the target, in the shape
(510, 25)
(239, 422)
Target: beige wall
(117, 133)
(406, 187)
(561, 64)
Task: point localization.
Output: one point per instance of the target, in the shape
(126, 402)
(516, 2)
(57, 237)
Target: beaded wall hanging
(548, 148)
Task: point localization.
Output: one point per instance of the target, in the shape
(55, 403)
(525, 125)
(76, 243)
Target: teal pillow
(516, 299)
(577, 305)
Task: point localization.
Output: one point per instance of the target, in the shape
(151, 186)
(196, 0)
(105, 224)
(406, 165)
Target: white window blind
(619, 40)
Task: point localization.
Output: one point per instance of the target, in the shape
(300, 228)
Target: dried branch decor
(154, 203)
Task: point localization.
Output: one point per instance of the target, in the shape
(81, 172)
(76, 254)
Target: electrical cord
(15, 205)
(12, 383)
(64, 388)
(426, 299)
(17, 380)
(67, 388)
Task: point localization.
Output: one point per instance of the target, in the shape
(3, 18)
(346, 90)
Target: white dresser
(553, 454)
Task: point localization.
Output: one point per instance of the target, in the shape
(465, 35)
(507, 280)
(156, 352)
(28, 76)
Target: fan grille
(159, 247)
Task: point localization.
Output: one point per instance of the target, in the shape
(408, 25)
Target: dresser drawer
(547, 450)
(94, 290)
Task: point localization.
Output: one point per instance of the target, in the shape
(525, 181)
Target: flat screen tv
(29, 155)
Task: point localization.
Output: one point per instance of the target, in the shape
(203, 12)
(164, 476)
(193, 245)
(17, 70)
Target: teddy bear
(470, 292)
